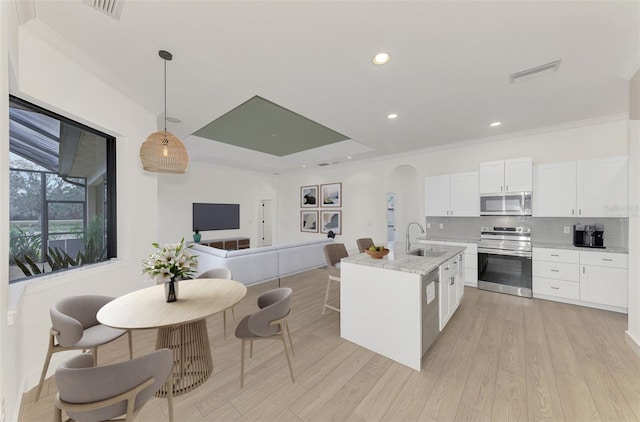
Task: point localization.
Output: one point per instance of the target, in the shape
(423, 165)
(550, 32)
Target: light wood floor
(500, 358)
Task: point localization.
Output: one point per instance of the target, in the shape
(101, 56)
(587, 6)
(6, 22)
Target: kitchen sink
(429, 253)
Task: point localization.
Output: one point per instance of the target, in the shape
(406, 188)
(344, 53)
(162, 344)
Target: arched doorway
(406, 185)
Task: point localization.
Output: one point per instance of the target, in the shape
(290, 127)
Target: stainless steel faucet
(408, 244)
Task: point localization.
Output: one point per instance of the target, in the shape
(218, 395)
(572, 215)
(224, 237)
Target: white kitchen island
(396, 306)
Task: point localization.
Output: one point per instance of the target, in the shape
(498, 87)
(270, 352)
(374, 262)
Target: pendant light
(162, 151)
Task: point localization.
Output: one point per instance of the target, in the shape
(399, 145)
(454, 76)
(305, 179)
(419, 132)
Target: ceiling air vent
(535, 72)
(111, 8)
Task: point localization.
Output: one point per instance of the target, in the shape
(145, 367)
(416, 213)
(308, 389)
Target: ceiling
(447, 80)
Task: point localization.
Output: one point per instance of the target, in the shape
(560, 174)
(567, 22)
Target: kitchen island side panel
(381, 311)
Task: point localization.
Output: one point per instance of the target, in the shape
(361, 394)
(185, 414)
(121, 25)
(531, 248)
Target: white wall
(633, 330)
(8, 391)
(55, 81)
(203, 183)
(365, 184)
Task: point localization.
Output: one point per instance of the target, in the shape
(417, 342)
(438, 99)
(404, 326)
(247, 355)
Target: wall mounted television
(216, 216)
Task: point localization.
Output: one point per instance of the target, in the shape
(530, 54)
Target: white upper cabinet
(589, 188)
(465, 199)
(452, 195)
(554, 190)
(602, 187)
(437, 195)
(513, 175)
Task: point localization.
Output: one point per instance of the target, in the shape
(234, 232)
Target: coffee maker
(588, 235)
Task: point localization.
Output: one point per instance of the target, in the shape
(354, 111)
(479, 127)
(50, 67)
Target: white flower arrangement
(170, 261)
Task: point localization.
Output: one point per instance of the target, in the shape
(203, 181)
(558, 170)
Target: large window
(62, 193)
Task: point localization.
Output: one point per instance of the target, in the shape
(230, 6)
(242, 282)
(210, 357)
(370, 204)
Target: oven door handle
(523, 254)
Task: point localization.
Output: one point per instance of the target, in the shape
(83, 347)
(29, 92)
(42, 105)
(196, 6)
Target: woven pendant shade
(163, 152)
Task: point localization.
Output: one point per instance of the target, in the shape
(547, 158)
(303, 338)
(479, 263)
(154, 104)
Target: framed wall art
(331, 195)
(331, 221)
(309, 196)
(309, 221)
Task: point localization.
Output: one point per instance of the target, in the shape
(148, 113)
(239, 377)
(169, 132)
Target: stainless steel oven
(504, 260)
(516, 203)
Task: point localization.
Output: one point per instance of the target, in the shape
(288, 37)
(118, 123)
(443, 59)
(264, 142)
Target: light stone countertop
(581, 249)
(448, 239)
(398, 260)
(534, 244)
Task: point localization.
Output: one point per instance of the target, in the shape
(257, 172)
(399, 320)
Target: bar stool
(333, 253)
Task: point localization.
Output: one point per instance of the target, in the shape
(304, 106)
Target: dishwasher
(430, 309)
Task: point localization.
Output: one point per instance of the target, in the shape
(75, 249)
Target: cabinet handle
(555, 288)
(554, 254)
(582, 270)
(580, 211)
(501, 189)
(451, 212)
(607, 259)
(452, 281)
(506, 188)
(446, 268)
(555, 271)
(573, 211)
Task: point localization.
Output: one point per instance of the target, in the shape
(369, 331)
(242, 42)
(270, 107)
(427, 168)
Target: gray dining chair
(74, 326)
(333, 253)
(364, 243)
(220, 273)
(100, 393)
(268, 323)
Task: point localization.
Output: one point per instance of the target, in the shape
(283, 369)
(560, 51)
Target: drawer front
(556, 270)
(558, 288)
(556, 255)
(604, 259)
(447, 269)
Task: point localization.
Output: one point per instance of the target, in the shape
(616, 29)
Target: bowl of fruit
(377, 252)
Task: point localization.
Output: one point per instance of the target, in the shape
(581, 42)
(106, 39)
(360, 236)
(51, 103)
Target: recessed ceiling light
(304, 166)
(381, 58)
(494, 124)
(392, 116)
(349, 157)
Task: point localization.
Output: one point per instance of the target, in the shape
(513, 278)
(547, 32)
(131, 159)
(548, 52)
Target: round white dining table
(182, 325)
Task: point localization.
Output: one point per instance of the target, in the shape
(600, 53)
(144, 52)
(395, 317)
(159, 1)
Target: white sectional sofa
(256, 265)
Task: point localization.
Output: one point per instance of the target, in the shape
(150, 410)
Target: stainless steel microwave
(513, 203)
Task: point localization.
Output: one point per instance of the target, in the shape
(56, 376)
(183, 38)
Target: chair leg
(170, 397)
(286, 326)
(242, 364)
(233, 314)
(44, 369)
(224, 322)
(95, 356)
(130, 344)
(286, 353)
(326, 296)
(251, 349)
(57, 414)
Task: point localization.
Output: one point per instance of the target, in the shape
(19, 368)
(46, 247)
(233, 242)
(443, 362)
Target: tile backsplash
(543, 229)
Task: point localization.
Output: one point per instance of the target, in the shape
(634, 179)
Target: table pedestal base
(192, 364)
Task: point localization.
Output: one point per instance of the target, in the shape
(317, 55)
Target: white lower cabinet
(469, 273)
(604, 278)
(449, 296)
(595, 279)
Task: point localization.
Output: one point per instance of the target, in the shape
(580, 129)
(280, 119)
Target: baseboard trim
(633, 344)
